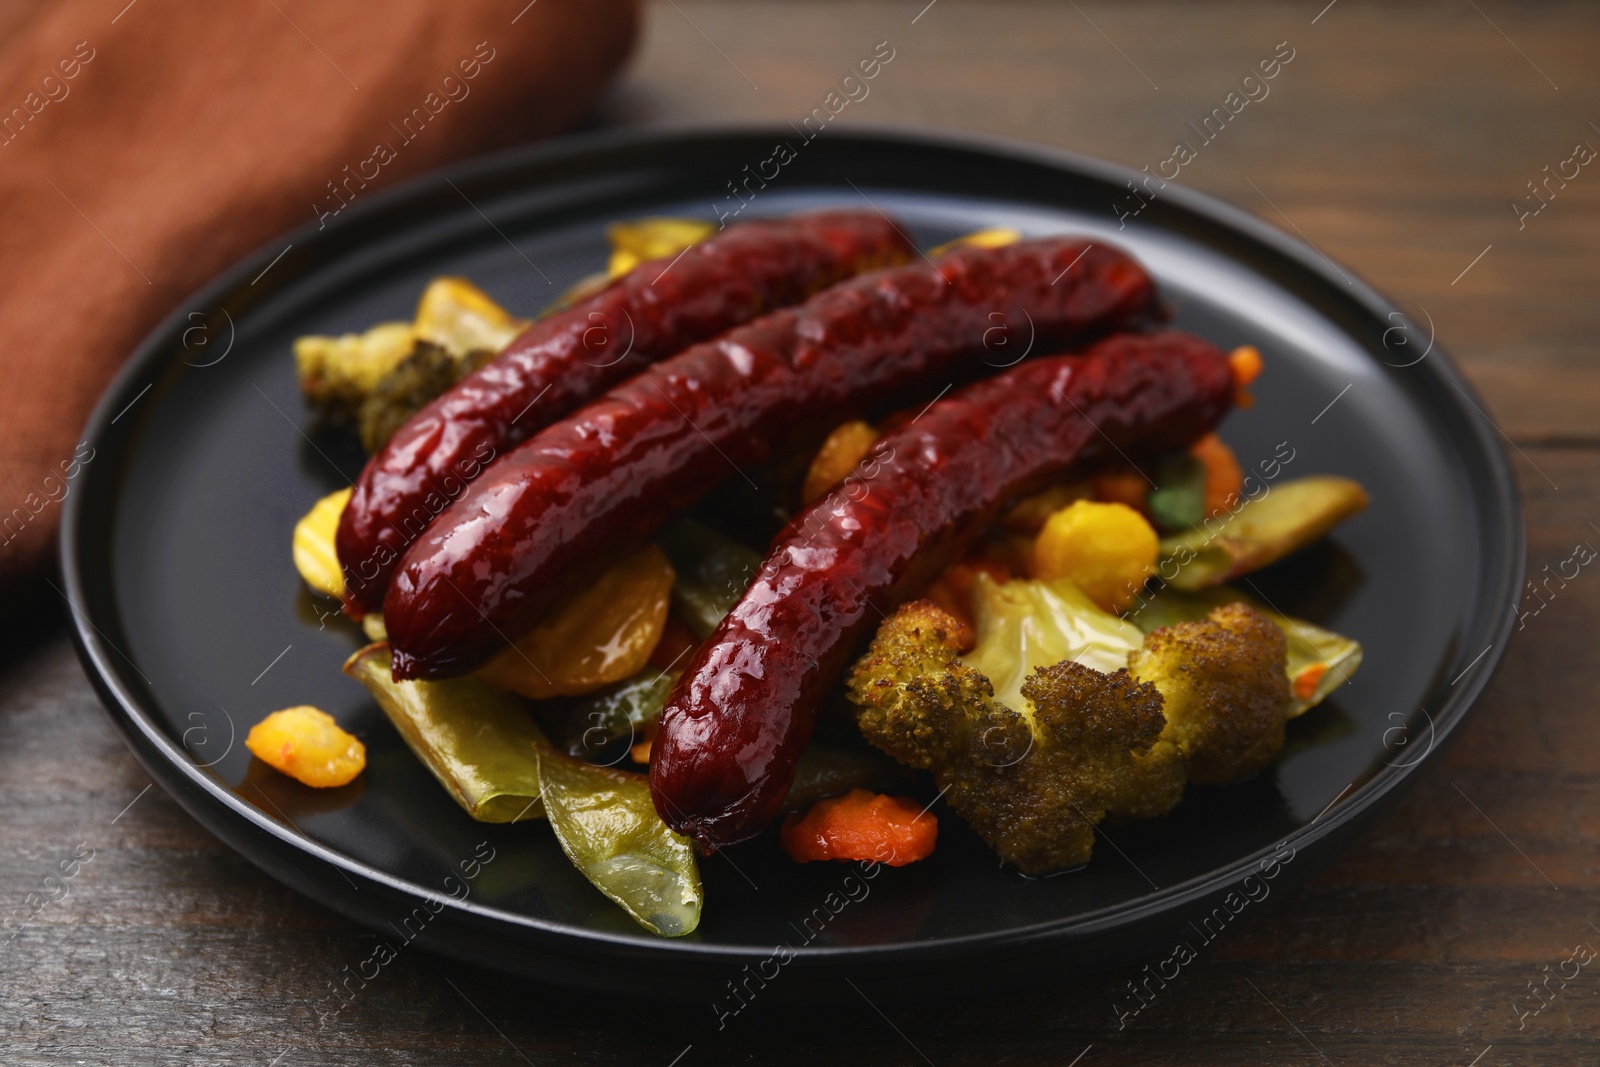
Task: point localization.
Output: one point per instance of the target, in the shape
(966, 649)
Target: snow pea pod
(713, 570)
(1262, 531)
(618, 713)
(477, 740)
(609, 829)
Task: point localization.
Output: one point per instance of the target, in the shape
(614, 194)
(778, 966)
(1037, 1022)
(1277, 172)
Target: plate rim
(211, 802)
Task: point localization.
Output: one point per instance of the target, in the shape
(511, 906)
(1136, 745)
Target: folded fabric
(145, 147)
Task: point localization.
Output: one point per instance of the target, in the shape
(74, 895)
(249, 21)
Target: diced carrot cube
(862, 825)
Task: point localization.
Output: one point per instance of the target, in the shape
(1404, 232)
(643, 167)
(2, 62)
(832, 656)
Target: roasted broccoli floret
(377, 380)
(428, 371)
(1032, 781)
(1204, 701)
(338, 373)
(1224, 689)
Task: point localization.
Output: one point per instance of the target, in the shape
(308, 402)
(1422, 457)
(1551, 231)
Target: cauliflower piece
(1320, 661)
(1032, 780)
(1027, 516)
(378, 379)
(1065, 745)
(1027, 625)
(1224, 688)
(458, 329)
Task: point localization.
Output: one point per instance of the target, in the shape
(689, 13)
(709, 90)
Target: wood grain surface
(1395, 141)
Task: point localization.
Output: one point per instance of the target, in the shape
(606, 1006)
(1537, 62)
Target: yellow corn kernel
(845, 447)
(308, 745)
(603, 635)
(1107, 550)
(315, 556)
(633, 243)
(995, 237)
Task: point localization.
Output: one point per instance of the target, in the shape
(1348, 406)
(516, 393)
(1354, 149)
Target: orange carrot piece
(861, 825)
(1245, 363)
(639, 751)
(1306, 682)
(1224, 477)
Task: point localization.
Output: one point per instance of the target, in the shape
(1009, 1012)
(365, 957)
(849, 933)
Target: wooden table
(1395, 141)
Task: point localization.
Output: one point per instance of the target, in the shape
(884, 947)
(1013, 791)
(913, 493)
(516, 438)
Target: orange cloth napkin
(144, 146)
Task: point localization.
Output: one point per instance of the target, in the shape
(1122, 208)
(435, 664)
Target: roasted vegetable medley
(861, 578)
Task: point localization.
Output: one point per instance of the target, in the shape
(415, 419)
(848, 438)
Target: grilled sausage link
(551, 514)
(743, 710)
(567, 359)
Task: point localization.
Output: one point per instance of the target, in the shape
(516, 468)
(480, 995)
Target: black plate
(193, 624)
